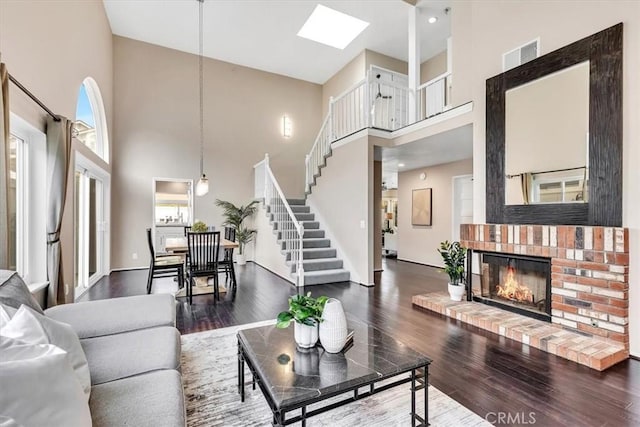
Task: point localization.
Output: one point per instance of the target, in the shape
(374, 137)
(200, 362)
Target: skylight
(330, 27)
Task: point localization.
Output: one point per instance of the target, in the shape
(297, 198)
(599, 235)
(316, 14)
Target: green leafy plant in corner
(234, 216)
(454, 255)
(303, 309)
(199, 227)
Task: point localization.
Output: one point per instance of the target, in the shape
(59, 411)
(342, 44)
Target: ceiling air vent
(520, 55)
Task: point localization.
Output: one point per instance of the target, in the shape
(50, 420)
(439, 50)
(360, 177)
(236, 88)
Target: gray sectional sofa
(133, 351)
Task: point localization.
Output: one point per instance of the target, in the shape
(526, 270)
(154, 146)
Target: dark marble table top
(293, 376)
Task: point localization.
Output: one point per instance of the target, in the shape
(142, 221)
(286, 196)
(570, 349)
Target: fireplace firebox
(517, 283)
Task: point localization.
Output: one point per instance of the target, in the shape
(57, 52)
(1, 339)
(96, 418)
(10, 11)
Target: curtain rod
(33, 97)
(553, 171)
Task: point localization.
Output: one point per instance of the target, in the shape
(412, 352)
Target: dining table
(178, 245)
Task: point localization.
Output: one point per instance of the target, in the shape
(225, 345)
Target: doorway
(462, 203)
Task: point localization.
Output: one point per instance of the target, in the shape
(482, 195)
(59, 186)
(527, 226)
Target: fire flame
(513, 290)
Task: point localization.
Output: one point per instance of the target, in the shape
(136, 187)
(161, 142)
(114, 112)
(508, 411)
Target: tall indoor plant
(454, 255)
(235, 217)
(306, 312)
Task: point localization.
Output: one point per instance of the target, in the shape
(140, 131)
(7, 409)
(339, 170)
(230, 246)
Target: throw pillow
(32, 328)
(14, 292)
(39, 388)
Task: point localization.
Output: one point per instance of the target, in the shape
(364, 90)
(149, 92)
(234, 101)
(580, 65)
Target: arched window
(91, 123)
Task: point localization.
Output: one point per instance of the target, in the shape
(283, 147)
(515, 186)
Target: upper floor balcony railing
(379, 104)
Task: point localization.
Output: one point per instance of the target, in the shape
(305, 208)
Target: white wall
(483, 31)
(419, 243)
(341, 200)
(265, 248)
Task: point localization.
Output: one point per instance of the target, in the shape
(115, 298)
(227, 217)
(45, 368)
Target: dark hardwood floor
(489, 374)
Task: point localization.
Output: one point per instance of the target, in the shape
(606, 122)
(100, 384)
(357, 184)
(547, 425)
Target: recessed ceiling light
(330, 27)
(432, 20)
(400, 165)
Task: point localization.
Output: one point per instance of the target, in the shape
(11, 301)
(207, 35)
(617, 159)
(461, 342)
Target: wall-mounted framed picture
(421, 207)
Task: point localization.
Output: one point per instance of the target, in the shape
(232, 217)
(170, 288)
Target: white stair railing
(433, 96)
(381, 104)
(290, 229)
(319, 150)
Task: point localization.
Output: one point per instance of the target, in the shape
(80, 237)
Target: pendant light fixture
(202, 187)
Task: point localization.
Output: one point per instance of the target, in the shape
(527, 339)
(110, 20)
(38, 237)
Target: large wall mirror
(554, 136)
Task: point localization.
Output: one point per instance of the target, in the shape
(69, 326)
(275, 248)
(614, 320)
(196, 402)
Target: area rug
(209, 376)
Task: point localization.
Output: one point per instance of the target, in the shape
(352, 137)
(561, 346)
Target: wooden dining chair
(163, 265)
(225, 265)
(203, 260)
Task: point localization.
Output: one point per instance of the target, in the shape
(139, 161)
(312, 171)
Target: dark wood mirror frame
(603, 50)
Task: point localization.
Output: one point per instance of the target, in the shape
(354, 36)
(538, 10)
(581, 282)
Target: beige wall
(384, 61)
(377, 215)
(157, 134)
(342, 199)
(51, 47)
(419, 243)
(433, 67)
(348, 76)
(482, 31)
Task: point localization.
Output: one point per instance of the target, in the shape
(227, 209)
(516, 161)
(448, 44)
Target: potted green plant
(454, 255)
(306, 313)
(235, 217)
(199, 227)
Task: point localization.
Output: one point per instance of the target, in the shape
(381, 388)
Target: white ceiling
(262, 33)
(445, 147)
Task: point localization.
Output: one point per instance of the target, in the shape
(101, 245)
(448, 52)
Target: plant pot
(306, 336)
(456, 292)
(241, 259)
(333, 328)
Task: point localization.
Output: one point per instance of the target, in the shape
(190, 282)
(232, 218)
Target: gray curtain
(58, 154)
(4, 167)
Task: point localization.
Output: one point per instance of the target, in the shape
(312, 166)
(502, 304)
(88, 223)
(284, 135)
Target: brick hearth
(595, 352)
(589, 271)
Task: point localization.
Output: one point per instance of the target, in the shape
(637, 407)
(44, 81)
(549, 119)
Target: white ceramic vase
(306, 336)
(333, 328)
(456, 292)
(241, 259)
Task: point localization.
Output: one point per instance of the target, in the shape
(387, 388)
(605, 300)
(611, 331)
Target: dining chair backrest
(203, 251)
(187, 228)
(152, 251)
(230, 234)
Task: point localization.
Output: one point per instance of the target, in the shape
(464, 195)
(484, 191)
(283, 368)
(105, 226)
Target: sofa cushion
(38, 386)
(154, 399)
(31, 327)
(112, 316)
(14, 292)
(113, 357)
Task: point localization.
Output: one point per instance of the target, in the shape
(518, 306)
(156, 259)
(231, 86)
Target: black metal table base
(419, 379)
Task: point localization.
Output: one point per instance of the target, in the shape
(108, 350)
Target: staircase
(319, 260)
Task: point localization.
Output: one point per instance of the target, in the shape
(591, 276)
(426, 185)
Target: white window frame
(97, 107)
(559, 180)
(92, 170)
(31, 201)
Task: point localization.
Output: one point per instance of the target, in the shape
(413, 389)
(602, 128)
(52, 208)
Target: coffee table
(292, 379)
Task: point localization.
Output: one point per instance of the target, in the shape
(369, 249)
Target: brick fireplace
(588, 283)
(589, 271)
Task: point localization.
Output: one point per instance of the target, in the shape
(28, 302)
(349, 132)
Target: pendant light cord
(201, 70)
